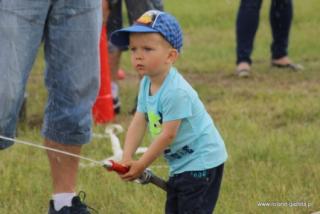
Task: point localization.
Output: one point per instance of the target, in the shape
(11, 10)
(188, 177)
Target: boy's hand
(136, 169)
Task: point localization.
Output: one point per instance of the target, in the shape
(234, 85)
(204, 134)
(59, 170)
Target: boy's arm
(168, 134)
(134, 135)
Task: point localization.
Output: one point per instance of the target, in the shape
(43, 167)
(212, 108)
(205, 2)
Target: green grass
(270, 122)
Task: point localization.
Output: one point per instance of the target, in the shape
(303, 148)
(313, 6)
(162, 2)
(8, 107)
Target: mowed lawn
(270, 123)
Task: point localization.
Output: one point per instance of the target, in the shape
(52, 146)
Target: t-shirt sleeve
(141, 104)
(176, 105)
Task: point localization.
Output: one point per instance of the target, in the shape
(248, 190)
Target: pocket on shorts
(72, 8)
(30, 10)
(17, 4)
(82, 4)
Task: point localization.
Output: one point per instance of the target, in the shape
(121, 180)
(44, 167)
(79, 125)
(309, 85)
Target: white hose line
(50, 149)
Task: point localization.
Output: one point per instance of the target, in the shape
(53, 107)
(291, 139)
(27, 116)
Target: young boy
(180, 126)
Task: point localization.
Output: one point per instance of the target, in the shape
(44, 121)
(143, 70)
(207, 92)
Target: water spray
(146, 177)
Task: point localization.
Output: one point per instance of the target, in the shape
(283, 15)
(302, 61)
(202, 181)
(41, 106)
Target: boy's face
(151, 54)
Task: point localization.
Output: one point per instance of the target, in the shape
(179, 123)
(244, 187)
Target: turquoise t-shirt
(198, 144)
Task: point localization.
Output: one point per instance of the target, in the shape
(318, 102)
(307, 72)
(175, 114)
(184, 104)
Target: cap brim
(120, 38)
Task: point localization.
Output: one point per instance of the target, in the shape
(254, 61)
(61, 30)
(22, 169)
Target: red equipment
(146, 177)
(103, 108)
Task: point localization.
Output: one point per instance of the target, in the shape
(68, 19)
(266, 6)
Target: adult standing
(70, 32)
(281, 13)
(135, 8)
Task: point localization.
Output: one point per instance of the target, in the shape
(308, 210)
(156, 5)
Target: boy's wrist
(126, 157)
(142, 163)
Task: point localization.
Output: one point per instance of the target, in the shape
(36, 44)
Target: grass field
(270, 123)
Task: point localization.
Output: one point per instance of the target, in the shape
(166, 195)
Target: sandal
(243, 70)
(291, 66)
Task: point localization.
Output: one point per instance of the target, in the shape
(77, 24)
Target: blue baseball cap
(152, 21)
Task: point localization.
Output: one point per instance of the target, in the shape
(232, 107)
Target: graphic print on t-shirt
(155, 123)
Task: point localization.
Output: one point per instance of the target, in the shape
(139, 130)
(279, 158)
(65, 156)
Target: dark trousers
(194, 192)
(135, 8)
(281, 13)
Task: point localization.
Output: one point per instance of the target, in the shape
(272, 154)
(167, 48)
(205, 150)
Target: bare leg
(114, 60)
(63, 168)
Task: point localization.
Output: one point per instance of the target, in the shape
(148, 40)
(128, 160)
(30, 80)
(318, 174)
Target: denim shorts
(70, 31)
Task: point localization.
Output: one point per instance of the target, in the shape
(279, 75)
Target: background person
(281, 13)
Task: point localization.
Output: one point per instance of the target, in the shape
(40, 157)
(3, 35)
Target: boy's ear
(173, 55)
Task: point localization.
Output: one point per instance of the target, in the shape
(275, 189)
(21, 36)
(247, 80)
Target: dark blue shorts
(194, 192)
